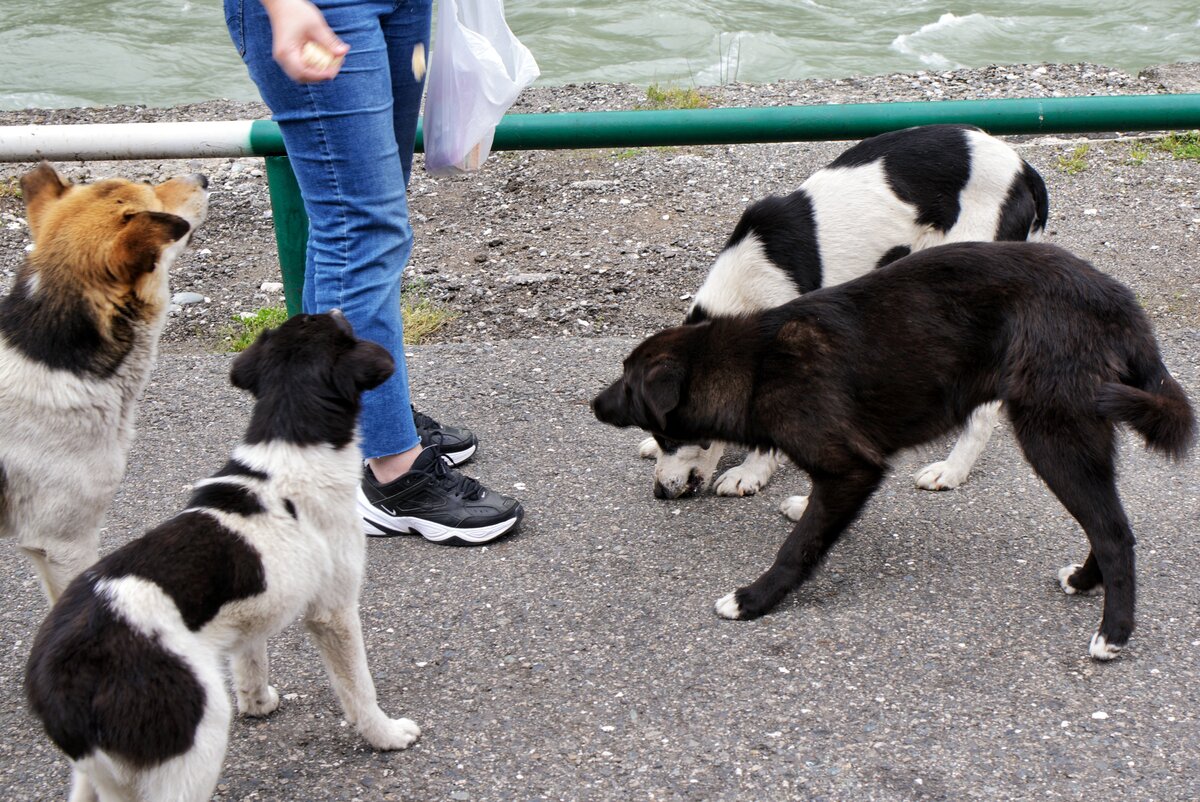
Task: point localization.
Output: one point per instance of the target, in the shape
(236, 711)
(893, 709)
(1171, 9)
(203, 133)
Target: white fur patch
(1065, 573)
(689, 467)
(1101, 649)
(749, 477)
(794, 506)
(743, 280)
(727, 607)
(953, 471)
(859, 219)
(648, 449)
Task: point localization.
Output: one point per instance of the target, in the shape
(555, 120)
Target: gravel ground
(932, 657)
(599, 242)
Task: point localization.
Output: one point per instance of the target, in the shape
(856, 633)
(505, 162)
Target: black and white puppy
(126, 672)
(885, 197)
(843, 377)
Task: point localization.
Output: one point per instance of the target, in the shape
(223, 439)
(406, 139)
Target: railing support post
(291, 229)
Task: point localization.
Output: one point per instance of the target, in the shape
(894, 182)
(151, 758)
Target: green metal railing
(622, 129)
(604, 129)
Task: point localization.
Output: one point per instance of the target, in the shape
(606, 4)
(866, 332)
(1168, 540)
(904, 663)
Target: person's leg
(341, 141)
(341, 137)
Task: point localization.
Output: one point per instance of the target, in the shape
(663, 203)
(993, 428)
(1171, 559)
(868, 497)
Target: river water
(61, 53)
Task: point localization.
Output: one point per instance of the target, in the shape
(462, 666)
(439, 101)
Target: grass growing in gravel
(246, 330)
(671, 97)
(1076, 161)
(1138, 153)
(1180, 145)
(422, 319)
(10, 188)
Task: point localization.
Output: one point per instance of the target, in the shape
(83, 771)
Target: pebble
(185, 298)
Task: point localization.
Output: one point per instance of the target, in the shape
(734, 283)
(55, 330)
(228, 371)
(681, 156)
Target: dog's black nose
(201, 179)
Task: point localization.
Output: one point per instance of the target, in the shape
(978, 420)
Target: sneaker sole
(377, 524)
(459, 457)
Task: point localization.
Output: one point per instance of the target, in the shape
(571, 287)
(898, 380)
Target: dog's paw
(739, 481)
(670, 486)
(727, 606)
(1101, 649)
(260, 703)
(648, 449)
(794, 506)
(1064, 575)
(390, 734)
(940, 476)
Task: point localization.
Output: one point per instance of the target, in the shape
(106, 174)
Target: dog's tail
(1158, 409)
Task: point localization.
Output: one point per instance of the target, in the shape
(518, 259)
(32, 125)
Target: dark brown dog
(842, 378)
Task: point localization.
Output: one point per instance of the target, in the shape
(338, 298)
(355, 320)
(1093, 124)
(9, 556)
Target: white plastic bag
(476, 70)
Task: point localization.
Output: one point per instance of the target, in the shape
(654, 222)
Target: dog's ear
(370, 365)
(661, 390)
(245, 370)
(40, 187)
(141, 241)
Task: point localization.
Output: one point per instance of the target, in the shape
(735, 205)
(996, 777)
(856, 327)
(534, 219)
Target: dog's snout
(201, 179)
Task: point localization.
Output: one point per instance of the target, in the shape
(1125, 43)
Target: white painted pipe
(184, 140)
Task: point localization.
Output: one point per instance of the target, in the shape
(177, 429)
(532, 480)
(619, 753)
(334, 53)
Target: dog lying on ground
(126, 672)
(883, 198)
(78, 339)
(842, 378)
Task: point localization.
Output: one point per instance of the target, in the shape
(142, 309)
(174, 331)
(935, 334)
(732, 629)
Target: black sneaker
(436, 502)
(457, 444)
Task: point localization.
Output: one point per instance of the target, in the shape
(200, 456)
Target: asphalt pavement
(933, 656)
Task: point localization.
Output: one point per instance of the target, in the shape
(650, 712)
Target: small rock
(271, 286)
(185, 298)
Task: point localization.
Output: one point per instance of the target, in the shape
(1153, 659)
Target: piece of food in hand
(319, 57)
(418, 61)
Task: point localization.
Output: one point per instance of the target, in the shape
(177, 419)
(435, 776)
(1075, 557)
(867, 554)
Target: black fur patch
(62, 333)
(291, 508)
(236, 468)
(899, 252)
(787, 229)
(308, 376)
(934, 193)
(224, 497)
(199, 563)
(3, 494)
(96, 683)
(1027, 201)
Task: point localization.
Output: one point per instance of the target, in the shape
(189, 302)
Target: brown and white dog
(78, 338)
(842, 378)
(127, 672)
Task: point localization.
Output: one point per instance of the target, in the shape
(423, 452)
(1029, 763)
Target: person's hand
(294, 24)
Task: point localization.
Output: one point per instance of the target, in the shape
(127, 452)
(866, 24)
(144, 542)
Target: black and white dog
(843, 377)
(883, 198)
(126, 672)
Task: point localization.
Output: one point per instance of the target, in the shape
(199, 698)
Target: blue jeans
(350, 142)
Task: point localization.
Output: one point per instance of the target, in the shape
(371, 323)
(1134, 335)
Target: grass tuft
(422, 319)
(1138, 152)
(671, 97)
(245, 331)
(1184, 145)
(1076, 161)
